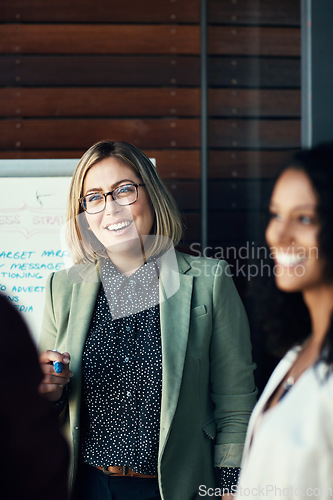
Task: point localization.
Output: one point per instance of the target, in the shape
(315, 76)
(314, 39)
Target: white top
(289, 448)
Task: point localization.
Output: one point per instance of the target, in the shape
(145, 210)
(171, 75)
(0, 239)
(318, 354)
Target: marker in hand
(57, 365)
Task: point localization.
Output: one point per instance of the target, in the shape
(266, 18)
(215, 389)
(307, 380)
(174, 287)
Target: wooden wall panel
(99, 70)
(254, 12)
(71, 133)
(103, 11)
(124, 102)
(171, 164)
(103, 102)
(139, 39)
(239, 164)
(254, 109)
(99, 39)
(75, 72)
(81, 71)
(256, 72)
(253, 41)
(270, 134)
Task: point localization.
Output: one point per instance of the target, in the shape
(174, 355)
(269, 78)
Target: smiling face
(292, 233)
(120, 229)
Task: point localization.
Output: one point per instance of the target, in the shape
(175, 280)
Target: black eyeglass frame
(82, 199)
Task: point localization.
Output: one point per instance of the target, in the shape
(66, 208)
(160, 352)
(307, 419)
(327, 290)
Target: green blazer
(208, 389)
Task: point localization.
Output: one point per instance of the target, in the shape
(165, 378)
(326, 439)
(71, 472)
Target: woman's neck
(320, 305)
(126, 265)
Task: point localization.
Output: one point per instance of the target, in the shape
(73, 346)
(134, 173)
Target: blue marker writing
(57, 365)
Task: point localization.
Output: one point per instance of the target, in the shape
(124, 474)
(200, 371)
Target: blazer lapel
(174, 321)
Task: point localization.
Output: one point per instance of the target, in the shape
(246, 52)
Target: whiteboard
(32, 232)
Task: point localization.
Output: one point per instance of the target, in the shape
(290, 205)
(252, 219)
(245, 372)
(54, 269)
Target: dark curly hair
(284, 317)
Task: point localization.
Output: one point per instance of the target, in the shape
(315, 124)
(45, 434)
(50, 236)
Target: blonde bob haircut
(167, 227)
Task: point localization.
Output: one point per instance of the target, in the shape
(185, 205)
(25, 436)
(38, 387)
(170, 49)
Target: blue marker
(57, 365)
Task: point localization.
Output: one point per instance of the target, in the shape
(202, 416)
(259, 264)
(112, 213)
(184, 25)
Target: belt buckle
(106, 471)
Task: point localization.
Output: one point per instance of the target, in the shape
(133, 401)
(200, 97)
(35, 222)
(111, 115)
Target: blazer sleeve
(232, 380)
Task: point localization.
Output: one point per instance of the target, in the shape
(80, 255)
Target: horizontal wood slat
(141, 39)
(99, 39)
(148, 71)
(267, 12)
(185, 164)
(223, 195)
(86, 102)
(186, 194)
(99, 70)
(246, 164)
(125, 102)
(126, 11)
(233, 195)
(254, 41)
(270, 134)
(260, 12)
(171, 164)
(164, 133)
(71, 133)
(254, 72)
(252, 103)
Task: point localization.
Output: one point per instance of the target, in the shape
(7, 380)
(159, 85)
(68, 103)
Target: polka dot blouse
(122, 372)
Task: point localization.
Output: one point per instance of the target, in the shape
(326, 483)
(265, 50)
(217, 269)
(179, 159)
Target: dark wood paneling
(167, 133)
(76, 134)
(236, 195)
(254, 12)
(185, 164)
(254, 72)
(191, 227)
(223, 195)
(254, 103)
(106, 102)
(148, 71)
(270, 134)
(99, 39)
(124, 102)
(254, 41)
(141, 39)
(171, 164)
(78, 11)
(186, 194)
(246, 164)
(99, 70)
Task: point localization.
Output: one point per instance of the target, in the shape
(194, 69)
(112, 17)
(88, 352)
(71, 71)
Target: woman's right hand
(53, 383)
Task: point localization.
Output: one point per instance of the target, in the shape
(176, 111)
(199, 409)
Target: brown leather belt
(113, 470)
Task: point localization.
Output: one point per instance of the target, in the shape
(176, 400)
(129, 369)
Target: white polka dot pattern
(122, 372)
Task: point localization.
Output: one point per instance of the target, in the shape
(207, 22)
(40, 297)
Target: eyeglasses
(127, 194)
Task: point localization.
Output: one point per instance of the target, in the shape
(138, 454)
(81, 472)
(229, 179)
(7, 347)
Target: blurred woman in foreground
(289, 447)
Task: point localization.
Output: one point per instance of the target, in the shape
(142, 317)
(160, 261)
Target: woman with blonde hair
(160, 384)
